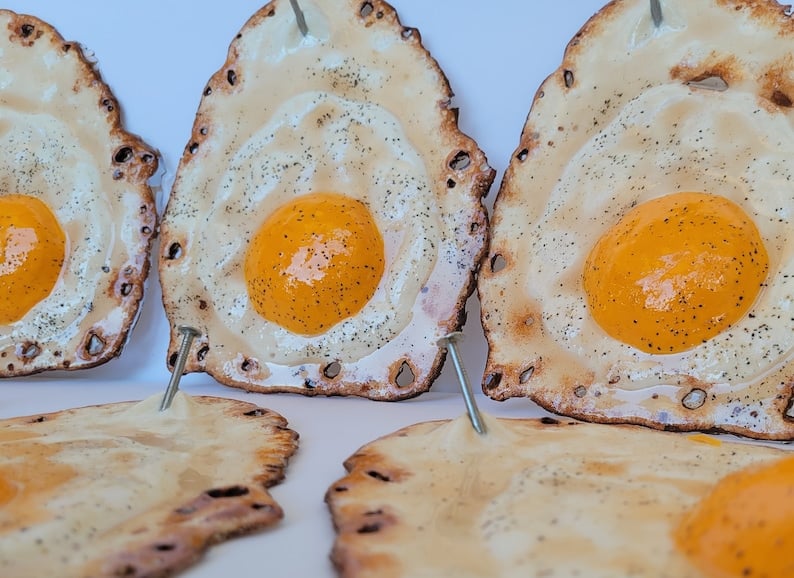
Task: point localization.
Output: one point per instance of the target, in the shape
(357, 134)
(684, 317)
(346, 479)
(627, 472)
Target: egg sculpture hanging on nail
(326, 218)
(642, 267)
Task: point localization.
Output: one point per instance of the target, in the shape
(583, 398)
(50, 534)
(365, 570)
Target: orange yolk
(675, 272)
(7, 491)
(745, 526)
(32, 252)
(314, 262)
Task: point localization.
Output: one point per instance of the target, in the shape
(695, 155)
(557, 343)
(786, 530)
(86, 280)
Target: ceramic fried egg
(541, 497)
(642, 265)
(326, 218)
(77, 215)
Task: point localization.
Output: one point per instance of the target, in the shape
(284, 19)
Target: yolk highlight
(315, 261)
(745, 526)
(675, 272)
(32, 253)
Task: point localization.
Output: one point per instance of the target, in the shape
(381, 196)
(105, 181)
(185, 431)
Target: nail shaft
(299, 17)
(188, 333)
(656, 13)
(465, 386)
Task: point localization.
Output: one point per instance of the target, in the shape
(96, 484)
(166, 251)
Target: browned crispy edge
(381, 11)
(136, 166)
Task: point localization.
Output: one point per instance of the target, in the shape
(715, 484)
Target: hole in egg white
(378, 476)
(451, 184)
(193, 148)
(694, 399)
(108, 104)
(202, 353)
(580, 391)
(568, 78)
(522, 155)
(332, 370)
(248, 365)
(26, 30)
(28, 350)
(228, 492)
(231, 77)
(94, 345)
(492, 380)
(498, 263)
(123, 155)
(526, 375)
(405, 375)
(710, 82)
(366, 9)
(164, 547)
(369, 528)
(174, 251)
(461, 161)
(258, 412)
(407, 33)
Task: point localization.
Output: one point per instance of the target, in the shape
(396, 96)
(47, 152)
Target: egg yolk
(745, 526)
(675, 272)
(7, 491)
(314, 262)
(32, 253)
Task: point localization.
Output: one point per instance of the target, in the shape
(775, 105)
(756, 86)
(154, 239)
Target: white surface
(157, 56)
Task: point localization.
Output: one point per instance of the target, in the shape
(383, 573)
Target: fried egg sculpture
(326, 218)
(77, 215)
(642, 265)
(540, 497)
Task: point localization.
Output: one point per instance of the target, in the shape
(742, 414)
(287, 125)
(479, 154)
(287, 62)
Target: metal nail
(188, 334)
(299, 17)
(463, 379)
(656, 13)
